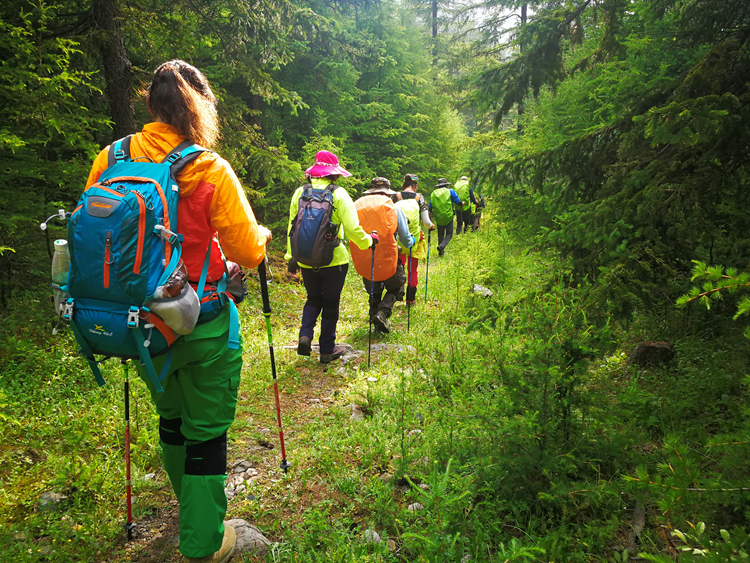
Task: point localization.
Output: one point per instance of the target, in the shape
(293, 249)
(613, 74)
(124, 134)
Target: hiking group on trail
(157, 243)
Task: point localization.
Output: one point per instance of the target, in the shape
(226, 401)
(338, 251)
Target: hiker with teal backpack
(464, 216)
(415, 208)
(196, 387)
(442, 201)
(320, 215)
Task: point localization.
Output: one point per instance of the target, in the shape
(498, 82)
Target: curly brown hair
(180, 95)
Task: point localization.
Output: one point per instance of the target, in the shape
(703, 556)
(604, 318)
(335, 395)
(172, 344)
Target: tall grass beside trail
(498, 428)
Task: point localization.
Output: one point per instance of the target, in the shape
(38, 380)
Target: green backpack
(462, 191)
(442, 207)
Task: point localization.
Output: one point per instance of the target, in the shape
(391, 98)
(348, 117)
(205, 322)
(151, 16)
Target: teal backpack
(123, 249)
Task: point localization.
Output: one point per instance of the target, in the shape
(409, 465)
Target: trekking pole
(408, 285)
(372, 293)
(427, 270)
(129, 525)
(285, 465)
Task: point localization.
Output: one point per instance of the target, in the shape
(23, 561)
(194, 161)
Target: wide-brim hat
(442, 182)
(464, 178)
(326, 164)
(381, 184)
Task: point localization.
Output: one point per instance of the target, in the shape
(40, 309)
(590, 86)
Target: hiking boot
(225, 553)
(303, 346)
(338, 351)
(380, 321)
(441, 251)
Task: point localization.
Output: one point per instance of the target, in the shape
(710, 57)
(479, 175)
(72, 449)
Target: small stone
(385, 478)
(305, 371)
(241, 466)
(391, 546)
(313, 401)
(175, 541)
(265, 443)
(415, 507)
(50, 501)
(250, 473)
(229, 493)
(372, 379)
(240, 489)
(371, 536)
(466, 558)
(483, 291)
(357, 414)
(382, 347)
(404, 489)
(265, 430)
(149, 476)
(249, 538)
(424, 486)
(413, 433)
(234, 479)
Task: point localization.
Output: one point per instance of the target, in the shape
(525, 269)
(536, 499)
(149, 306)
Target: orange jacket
(212, 202)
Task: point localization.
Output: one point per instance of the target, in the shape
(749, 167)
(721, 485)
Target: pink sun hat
(326, 164)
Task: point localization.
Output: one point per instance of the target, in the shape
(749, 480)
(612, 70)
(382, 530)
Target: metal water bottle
(60, 266)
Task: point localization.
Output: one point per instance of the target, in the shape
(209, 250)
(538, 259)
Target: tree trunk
(117, 68)
(434, 32)
(521, 107)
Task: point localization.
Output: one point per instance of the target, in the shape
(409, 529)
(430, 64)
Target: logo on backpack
(313, 235)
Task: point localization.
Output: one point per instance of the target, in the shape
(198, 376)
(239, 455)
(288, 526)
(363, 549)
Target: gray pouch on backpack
(180, 313)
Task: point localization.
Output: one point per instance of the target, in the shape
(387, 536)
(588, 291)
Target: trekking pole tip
(285, 465)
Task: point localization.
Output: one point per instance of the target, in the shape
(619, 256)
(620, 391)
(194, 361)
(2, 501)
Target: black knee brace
(169, 431)
(207, 458)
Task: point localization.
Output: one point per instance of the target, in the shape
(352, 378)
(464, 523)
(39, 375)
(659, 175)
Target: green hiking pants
(196, 410)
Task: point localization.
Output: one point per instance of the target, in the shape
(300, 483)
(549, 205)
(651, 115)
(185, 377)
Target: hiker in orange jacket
(200, 390)
(377, 212)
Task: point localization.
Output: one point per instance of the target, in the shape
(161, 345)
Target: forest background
(609, 135)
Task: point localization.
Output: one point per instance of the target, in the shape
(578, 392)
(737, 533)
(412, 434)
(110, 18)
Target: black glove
(292, 267)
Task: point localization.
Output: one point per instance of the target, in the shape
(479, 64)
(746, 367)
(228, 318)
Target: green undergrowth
(513, 420)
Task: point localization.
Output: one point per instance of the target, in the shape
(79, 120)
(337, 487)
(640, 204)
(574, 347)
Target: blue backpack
(123, 246)
(313, 236)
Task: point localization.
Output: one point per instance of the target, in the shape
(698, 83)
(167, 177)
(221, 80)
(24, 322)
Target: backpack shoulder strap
(119, 151)
(399, 196)
(330, 188)
(182, 155)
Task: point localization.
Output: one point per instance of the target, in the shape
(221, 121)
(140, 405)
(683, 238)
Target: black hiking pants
(323, 286)
(445, 234)
(394, 291)
(464, 220)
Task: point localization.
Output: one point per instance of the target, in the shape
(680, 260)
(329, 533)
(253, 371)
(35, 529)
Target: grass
(520, 443)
